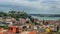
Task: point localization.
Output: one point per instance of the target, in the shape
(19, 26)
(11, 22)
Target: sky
(31, 6)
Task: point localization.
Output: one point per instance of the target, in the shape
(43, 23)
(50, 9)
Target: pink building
(10, 21)
(22, 21)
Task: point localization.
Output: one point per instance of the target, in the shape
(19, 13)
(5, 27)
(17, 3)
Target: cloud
(42, 6)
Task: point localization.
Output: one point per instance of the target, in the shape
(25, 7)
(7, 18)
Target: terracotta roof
(32, 32)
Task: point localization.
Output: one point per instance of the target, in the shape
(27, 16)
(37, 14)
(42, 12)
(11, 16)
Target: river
(46, 18)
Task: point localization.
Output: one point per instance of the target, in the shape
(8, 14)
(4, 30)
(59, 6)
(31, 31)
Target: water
(46, 18)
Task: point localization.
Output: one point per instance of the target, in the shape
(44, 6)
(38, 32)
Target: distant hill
(14, 14)
(46, 15)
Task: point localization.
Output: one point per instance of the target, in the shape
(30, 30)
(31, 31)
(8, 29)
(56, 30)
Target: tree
(18, 14)
(15, 14)
(27, 21)
(35, 23)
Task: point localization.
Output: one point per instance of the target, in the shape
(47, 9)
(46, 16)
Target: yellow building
(48, 30)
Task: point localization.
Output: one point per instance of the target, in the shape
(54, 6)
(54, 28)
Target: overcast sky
(32, 6)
